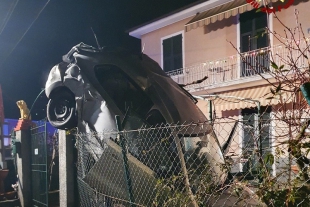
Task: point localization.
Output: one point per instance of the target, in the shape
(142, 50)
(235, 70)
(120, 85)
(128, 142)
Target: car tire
(61, 110)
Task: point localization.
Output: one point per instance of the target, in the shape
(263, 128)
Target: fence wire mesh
(39, 164)
(246, 159)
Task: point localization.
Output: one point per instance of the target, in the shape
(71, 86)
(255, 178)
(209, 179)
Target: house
(203, 40)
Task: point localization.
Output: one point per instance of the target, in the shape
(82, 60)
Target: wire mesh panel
(268, 150)
(39, 164)
(149, 166)
(246, 159)
(101, 170)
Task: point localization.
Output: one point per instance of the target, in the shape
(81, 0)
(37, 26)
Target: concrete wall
(23, 164)
(211, 42)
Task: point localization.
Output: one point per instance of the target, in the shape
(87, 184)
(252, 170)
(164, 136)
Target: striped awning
(245, 98)
(218, 13)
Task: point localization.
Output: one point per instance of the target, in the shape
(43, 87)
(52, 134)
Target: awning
(245, 98)
(218, 13)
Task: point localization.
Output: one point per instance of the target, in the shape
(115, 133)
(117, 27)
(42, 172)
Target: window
(123, 90)
(172, 53)
(253, 37)
(251, 134)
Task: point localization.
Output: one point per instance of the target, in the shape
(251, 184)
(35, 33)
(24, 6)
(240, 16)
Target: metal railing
(217, 71)
(237, 67)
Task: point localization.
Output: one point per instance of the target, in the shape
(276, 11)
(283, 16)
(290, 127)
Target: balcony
(233, 69)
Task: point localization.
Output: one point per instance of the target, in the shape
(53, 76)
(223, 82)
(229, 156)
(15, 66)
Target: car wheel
(61, 110)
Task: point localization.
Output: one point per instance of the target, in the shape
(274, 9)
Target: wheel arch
(68, 122)
(58, 89)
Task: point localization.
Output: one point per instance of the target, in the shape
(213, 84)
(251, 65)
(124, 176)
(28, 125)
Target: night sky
(34, 40)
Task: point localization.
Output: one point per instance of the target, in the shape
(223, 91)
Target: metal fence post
(260, 138)
(259, 129)
(125, 160)
(184, 170)
(210, 110)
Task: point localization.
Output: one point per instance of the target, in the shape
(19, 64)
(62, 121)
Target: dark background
(39, 32)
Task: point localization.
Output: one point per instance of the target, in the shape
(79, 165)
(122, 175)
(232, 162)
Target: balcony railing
(217, 71)
(237, 67)
(254, 62)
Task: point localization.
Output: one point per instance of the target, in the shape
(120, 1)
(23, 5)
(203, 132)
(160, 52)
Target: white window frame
(240, 139)
(162, 48)
(271, 137)
(238, 46)
(269, 24)
(272, 141)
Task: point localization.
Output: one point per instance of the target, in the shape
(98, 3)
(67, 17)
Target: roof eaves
(175, 16)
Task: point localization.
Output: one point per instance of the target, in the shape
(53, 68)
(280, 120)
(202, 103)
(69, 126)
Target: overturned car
(91, 86)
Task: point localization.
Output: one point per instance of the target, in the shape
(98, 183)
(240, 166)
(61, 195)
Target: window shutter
(172, 53)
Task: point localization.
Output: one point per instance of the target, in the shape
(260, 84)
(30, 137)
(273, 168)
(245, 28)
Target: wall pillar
(66, 170)
(23, 162)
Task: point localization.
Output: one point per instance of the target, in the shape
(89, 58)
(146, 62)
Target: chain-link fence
(249, 158)
(39, 169)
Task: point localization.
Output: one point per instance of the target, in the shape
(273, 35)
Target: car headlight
(54, 80)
